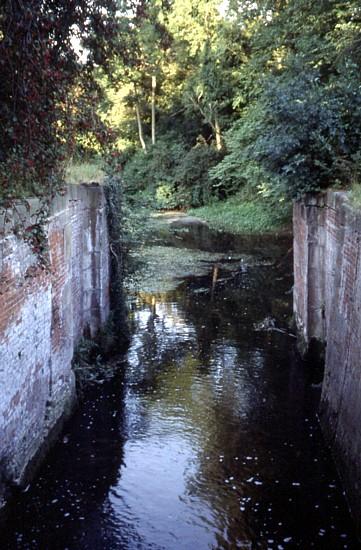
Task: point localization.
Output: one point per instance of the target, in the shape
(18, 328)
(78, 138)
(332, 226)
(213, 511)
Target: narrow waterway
(206, 436)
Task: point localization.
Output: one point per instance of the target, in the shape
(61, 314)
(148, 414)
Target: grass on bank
(240, 216)
(84, 172)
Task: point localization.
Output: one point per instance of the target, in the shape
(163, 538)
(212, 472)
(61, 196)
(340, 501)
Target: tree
(272, 85)
(46, 91)
(143, 26)
(301, 128)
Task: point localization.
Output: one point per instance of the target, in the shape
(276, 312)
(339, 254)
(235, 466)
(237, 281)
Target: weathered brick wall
(310, 280)
(328, 233)
(42, 316)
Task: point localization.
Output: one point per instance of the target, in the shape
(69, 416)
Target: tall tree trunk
(217, 128)
(154, 85)
(140, 128)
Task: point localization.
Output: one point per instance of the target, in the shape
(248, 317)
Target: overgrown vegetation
(262, 96)
(244, 215)
(94, 360)
(84, 172)
(201, 98)
(49, 95)
(171, 175)
(89, 365)
(231, 107)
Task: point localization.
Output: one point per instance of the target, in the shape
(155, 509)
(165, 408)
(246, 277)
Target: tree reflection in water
(207, 437)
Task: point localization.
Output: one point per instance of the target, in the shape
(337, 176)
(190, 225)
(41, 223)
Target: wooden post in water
(214, 278)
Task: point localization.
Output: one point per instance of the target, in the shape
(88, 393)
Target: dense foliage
(300, 131)
(207, 97)
(263, 94)
(48, 95)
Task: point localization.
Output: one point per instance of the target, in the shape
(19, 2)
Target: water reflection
(241, 467)
(206, 438)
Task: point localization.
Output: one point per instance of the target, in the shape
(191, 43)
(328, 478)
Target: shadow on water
(207, 436)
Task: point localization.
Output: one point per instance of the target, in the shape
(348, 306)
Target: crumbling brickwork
(327, 305)
(43, 313)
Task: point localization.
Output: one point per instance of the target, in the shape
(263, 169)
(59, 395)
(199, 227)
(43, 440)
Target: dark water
(206, 438)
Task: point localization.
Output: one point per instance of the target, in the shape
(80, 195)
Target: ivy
(48, 95)
(49, 98)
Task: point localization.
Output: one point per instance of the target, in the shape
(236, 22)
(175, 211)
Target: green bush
(174, 176)
(192, 180)
(156, 166)
(166, 196)
(299, 137)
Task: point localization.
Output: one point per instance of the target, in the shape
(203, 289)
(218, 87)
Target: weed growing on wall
(93, 362)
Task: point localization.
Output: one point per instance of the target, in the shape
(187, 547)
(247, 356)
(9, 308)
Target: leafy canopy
(48, 94)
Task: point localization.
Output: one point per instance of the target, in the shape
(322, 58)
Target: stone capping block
(90, 194)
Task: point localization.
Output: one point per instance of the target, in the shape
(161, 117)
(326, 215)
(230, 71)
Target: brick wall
(42, 316)
(327, 265)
